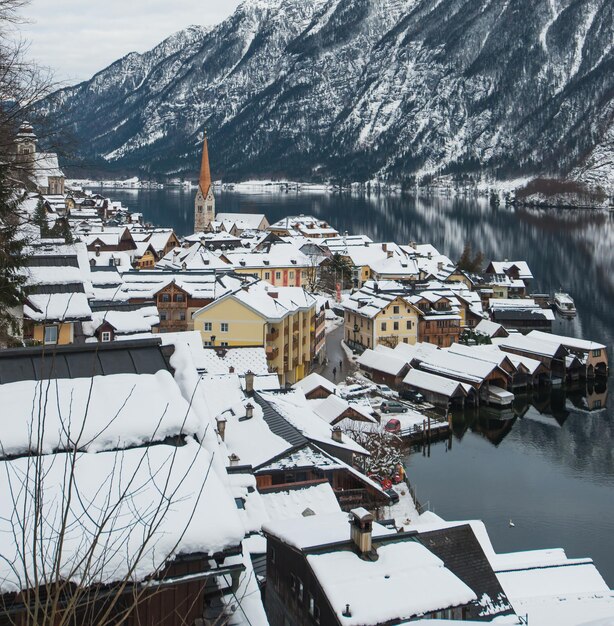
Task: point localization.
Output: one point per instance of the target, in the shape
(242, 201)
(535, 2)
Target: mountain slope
(352, 89)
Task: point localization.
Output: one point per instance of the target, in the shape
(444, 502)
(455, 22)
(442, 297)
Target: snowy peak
(352, 89)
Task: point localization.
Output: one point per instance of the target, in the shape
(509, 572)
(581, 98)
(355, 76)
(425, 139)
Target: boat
(564, 303)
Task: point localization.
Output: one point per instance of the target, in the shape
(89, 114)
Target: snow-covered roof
(271, 303)
(332, 408)
(245, 360)
(406, 580)
(293, 502)
(46, 166)
(295, 408)
(503, 267)
(531, 345)
(129, 487)
(196, 257)
(569, 342)
(124, 322)
(382, 361)
(316, 530)
(280, 254)
(243, 221)
(98, 413)
(434, 383)
(486, 327)
(58, 307)
(496, 357)
(313, 381)
(251, 440)
(456, 366)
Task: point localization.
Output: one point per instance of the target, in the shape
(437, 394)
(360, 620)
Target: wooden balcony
(272, 336)
(272, 352)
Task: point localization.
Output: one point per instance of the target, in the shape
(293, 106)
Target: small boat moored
(564, 303)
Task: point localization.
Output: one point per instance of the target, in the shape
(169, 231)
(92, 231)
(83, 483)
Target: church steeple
(204, 206)
(204, 181)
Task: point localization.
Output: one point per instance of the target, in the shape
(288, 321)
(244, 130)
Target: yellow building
(373, 318)
(281, 319)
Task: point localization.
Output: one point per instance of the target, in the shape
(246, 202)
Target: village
(264, 382)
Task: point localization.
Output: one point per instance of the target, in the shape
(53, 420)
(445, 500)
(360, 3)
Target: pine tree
(40, 218)
(12, 257)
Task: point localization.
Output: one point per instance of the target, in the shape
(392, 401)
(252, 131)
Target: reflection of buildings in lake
(593, 397)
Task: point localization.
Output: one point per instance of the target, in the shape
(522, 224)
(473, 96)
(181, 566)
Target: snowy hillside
(352, 89)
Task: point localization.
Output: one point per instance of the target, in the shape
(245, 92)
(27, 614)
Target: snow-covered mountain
(356, 89)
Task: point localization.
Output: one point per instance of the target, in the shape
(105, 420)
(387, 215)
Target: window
(396, 325)
(267, 276)
(178, 297)
(207, 343)
(396, 310)
(384, 326)
(596, 353)
(105, 337)
(182, 316)
(405, 340)
(408, 325)
(300, 590)
(165, 297)
(277, 275)
(51, 335)
(224, 327)
(224, 344)
(291, 274)
(163, 316)
(208, 327)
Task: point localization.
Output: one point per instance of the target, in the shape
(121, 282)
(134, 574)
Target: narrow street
(336, 355)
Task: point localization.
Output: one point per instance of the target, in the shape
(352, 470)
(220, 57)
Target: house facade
(282, 319)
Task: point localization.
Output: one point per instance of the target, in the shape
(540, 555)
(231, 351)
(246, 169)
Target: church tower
(204, 205)
(25, 145)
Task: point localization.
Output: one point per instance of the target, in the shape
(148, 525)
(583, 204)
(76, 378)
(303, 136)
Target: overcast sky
(76, 38)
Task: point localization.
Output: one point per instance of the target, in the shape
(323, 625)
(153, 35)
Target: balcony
(172, 305)
(272, 352)
(273, 335)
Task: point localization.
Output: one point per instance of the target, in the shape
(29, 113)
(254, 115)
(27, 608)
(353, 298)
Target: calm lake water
(551, 470)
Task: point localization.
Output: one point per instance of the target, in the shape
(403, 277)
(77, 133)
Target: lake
(550, 470)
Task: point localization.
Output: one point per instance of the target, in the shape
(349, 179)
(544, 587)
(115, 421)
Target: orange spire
(205, 173)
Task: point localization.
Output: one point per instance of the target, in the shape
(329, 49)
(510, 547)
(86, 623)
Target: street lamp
(213, 340)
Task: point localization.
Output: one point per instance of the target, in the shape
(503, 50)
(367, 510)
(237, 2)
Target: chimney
(97, 249)
(389, 254)
(413, 244)
(337, 434)
(249, 411)
(221, 427)
(231, 369)
(385, 247)
(249, 382)
(440, 266)
(361, 529)
(234, 460)
(274, 294)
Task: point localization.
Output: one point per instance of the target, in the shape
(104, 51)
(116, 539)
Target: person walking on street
(340, 365)
(334, 372)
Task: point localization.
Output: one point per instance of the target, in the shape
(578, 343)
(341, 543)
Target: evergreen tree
(12, 257)
(40, 218)
(61, 230)
(468, 262)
